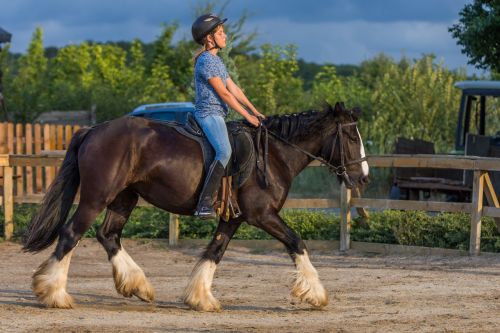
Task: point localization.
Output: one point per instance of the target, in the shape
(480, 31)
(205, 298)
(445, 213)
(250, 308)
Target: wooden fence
(481, 185)
(27, 139)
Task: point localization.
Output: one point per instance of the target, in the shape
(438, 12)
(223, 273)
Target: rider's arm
(241, 97)
(230, 99)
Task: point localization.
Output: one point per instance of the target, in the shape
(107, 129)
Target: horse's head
(343, 147)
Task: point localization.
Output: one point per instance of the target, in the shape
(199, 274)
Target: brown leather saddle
(242, 162)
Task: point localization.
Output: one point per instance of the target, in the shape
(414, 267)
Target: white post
(8, 202)
(476, 213)
(173, 230)
(345, 218)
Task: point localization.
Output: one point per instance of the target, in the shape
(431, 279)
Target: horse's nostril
(365, 180)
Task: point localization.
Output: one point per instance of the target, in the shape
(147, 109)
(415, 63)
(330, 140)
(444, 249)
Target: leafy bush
(415, 96)
(445, 230)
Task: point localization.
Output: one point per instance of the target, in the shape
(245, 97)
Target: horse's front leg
(129, 277)
(307, 285)
(198, 293)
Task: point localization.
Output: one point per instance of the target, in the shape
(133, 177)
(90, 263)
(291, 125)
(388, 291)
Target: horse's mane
(298, 125)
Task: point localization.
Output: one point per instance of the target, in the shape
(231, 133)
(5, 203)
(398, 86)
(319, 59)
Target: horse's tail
(51, 216)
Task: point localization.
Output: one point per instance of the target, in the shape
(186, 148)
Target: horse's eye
(354, 139)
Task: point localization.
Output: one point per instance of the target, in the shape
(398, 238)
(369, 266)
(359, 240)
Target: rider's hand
(259, 115)
(253, 120)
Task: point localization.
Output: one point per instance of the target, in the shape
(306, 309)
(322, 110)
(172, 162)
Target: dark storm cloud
(348, 10)
(86, 12)
(335, 31)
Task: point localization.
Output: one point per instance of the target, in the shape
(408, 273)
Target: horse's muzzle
(364, 180)
(347, 180)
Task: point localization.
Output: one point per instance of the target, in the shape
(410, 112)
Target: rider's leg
(215, 130)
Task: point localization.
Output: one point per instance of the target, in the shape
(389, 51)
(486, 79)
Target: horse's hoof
(315, 295)
(49, 283)
(130, 279)
(205, 306)
(145, 294)
(59, 300)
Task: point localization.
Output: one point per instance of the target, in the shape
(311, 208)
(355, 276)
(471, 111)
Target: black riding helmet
(204, 25)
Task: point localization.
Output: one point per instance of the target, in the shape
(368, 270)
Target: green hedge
(445, 230)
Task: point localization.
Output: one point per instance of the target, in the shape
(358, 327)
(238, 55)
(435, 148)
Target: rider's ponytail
(198, 53)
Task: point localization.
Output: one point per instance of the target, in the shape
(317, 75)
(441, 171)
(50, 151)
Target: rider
(214, 92)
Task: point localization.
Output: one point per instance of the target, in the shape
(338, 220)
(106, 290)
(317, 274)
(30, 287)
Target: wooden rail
(481, 185)
(32, 139)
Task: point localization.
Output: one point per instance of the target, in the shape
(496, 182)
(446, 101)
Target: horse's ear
(339, 108)
(327, 106)
(356, 112)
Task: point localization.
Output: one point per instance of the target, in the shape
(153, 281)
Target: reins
(262, 164)
(340, 170)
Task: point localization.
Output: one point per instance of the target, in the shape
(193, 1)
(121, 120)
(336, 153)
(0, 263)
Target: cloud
(87, 12)
(319, 11)
(336, 31)
(20, 13)
(351, 42)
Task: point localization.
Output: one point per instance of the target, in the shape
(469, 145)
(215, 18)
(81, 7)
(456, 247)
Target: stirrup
(205, 213)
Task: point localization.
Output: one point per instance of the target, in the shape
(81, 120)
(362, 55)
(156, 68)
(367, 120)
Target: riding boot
(205, 207)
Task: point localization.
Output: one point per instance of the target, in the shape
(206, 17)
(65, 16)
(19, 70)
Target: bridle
(339, 170)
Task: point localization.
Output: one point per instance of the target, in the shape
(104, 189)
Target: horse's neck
(295, 160)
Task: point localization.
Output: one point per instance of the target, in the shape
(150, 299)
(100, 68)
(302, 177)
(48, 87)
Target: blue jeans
(215, 130)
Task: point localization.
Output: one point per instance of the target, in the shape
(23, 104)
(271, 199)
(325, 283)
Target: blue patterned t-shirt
(207, 101)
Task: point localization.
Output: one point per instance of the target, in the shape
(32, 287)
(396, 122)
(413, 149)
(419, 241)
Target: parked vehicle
(173, 111)
(477, 134)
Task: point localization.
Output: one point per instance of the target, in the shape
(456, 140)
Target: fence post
(345, 218)
(173, 230)
(491, 197)
(476, 212)
(8, 202)
(362, 212)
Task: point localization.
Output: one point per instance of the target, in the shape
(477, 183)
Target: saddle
(239, 168)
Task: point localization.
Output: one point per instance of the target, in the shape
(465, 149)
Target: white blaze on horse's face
(364, 164)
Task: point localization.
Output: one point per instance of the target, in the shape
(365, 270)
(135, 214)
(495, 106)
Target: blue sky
(334, 31)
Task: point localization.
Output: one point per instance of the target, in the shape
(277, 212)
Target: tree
(175, 61)
(478, 32)
(29, 96)
(329, 87)
(170, 71)
(70, 78)
(417, 101)
(5, 73)
(113, 79)
(270, 81)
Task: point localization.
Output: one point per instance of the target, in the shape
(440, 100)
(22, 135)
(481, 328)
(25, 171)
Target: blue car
(177, 112)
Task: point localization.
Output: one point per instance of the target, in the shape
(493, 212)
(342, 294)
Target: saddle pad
(243, 158)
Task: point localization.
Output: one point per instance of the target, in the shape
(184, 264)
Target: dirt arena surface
(368, 293)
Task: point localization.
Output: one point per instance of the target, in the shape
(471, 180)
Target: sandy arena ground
(367, 293)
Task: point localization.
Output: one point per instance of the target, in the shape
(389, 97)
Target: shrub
(445, 230)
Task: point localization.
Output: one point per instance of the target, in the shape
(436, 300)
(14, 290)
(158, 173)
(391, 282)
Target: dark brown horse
(116, 162)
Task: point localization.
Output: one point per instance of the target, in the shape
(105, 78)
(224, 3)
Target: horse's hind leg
(198, 293)
(129, 277)
(307, 286)
(49, 280)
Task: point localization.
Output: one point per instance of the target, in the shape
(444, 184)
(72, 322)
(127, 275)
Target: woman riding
(214, 92)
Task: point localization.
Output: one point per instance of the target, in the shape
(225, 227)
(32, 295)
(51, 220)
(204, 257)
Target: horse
(116, 162)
